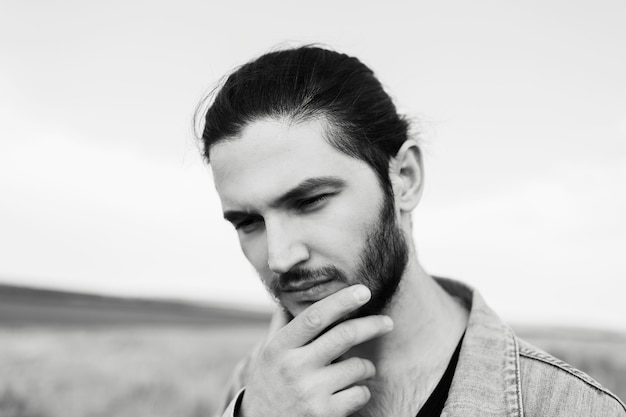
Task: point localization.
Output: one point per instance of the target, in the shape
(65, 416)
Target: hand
(293, 377)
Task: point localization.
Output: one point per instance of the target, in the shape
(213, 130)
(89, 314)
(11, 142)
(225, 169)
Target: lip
(304, 285)
(312, 291)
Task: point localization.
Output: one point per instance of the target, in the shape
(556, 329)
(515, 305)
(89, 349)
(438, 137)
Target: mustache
(282, 281)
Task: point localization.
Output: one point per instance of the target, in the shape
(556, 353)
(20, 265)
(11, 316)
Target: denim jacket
(498, 374)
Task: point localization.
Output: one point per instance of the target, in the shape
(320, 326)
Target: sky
(520, 108)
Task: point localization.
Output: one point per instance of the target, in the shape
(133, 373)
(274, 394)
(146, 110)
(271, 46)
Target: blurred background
(125, 293)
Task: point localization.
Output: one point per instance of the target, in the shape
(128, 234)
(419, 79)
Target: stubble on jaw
(381, 265)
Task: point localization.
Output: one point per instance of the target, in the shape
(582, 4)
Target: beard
(382, 262)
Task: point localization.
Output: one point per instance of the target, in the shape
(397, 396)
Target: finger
(350, 400)
(344, 336)
(318, 316)
(341, 375)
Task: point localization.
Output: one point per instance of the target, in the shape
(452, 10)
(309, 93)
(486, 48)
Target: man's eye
(312, 202)
(248, 225)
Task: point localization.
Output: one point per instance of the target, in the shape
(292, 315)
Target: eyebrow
(304, 189)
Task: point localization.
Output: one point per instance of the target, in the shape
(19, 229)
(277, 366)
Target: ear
(407, 176)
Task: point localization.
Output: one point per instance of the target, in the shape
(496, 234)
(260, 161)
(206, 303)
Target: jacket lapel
(487, 378)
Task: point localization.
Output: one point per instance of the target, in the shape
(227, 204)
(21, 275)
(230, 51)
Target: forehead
(272, 156)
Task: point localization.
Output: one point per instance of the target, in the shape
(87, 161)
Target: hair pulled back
(307, 83)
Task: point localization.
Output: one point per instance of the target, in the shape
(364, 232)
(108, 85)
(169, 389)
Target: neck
(428, 324)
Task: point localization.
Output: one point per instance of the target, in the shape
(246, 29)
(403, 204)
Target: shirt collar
(487, 378)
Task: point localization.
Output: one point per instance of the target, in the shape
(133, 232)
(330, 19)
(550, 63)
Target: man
(318, 174)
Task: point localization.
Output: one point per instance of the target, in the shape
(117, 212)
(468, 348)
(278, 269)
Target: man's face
(310, 219)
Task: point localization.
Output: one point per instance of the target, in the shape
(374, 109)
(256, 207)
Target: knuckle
(313, 319)
(346, 335)
(347, 300)
(359, 368)
(354, 367)
(285, 372)
(288, 369)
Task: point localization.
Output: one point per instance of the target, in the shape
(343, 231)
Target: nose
(285, 246)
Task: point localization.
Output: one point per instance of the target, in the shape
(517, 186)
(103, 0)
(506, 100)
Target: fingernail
(387, 322)
(361, 293)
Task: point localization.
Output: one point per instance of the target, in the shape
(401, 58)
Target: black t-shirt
(434, 404)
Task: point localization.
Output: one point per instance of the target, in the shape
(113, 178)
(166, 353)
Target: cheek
(343, 237)
(255, 251)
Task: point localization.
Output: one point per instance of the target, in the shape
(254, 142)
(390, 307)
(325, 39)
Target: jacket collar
(487, 377)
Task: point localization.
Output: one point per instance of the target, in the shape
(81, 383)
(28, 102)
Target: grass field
(104, 358)
(47, 372)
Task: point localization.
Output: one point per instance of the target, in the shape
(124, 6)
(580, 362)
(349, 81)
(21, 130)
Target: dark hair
(305, 83)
